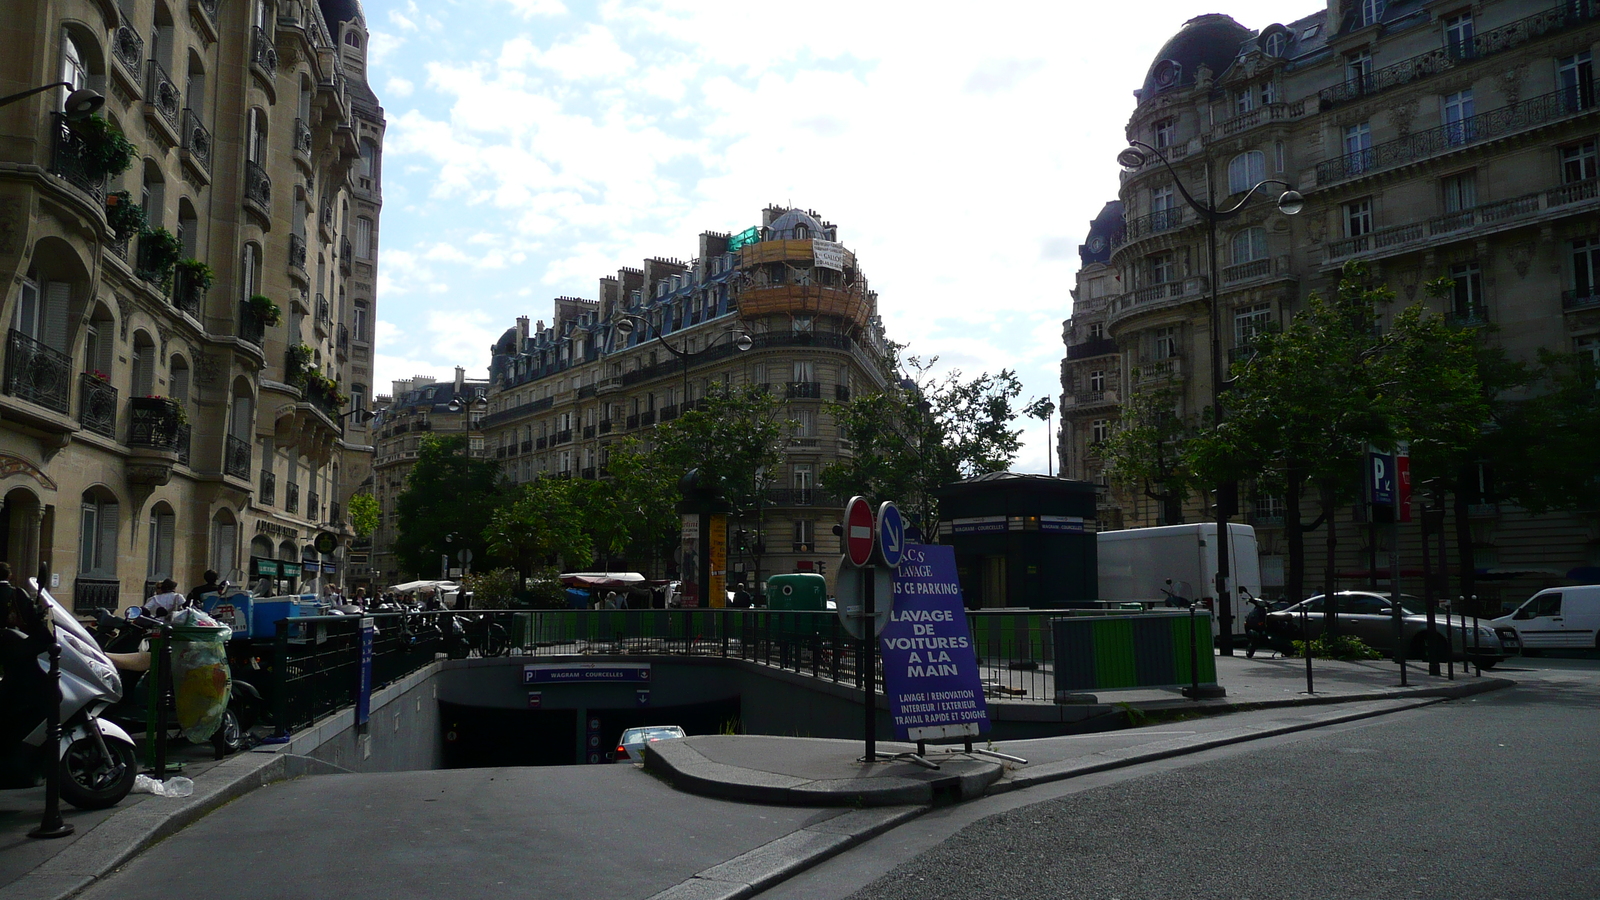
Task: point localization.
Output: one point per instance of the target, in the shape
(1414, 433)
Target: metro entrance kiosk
(874, 548)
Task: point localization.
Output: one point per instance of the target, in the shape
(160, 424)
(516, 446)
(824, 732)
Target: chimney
(461, 376)
(522, 333)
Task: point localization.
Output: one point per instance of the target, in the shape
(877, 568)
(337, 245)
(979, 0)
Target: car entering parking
(631, 745)
(1367, 615)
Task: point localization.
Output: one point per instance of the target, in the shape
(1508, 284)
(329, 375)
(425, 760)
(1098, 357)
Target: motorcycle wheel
(230, 736)
(496, 641)
(89, 781)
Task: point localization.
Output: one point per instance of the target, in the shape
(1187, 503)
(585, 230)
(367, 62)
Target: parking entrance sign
(930, 672)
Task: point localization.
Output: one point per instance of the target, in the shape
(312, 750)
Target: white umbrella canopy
(411, 587)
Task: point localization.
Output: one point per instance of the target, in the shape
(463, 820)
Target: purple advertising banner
(930, 672)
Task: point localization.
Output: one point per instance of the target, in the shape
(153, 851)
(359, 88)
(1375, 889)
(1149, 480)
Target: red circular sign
(858, 531)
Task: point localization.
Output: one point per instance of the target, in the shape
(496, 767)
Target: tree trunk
(1330, 605)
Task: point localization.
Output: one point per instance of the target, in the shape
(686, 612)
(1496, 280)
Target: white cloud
(529, 9)
(399, 87)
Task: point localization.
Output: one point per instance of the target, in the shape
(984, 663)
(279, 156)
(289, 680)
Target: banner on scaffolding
(828, 255)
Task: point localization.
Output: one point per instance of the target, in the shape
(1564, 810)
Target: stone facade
(153, 427)
(1429, 139)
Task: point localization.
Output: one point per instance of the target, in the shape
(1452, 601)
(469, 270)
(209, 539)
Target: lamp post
(80, 104)
(1290, 202)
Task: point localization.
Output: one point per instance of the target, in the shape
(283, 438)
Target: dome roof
(1211, 40)
(1102, 231)
(785, 226)
(337, 11)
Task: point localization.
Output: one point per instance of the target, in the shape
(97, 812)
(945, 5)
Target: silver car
(630, 747)
(1367, 615)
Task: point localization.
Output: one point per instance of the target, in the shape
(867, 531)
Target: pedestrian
(361, 597)
(622, 600)
(166, 601)
(741, 597)
(1255, 627)
(611, 599)
(210, 587)
(24, 687)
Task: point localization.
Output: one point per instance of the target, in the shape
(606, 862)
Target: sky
(534, 146)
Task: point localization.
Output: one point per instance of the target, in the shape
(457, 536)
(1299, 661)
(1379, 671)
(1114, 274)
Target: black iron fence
(37, 373)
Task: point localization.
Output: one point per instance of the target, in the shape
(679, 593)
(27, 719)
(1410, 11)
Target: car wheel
(1485, 663)
(89, 780)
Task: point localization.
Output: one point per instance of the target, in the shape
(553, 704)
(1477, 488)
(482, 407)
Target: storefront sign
(930, 671)
(584, 673)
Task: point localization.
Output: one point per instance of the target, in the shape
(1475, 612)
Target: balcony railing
(302, 137)
(251, 328)
(1154, 223)
(562, 437)
(1531, 113)
(797, 497)
(669, 412)
(291, 498)
(342, 338)
(1092, 348)
(588, 432)
(90, 594)
(163, 95)
(236, 458)
(527, 446)
(587, 473)
(267, 493)
(262, 53)
(1441, 59)
(1469, 317)
(36, 373)
(70, 152)
(1272, 112)
(313, 506)
(128, 48)
(258, 187)
(297, 253)
(97, 405)
(605, 426)
(803, 390)
(195, 140)
(1488, 214)
(1244, 271)
(154, 423)
(210, 7)
(344, 256)
(648, 417)
(1581, 298)
(633, 421)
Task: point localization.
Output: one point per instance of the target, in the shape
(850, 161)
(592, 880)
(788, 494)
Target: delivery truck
(1155, 565)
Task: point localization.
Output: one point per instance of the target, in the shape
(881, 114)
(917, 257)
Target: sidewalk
(1262, 698)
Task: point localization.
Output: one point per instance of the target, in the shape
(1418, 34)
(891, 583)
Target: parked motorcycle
(98, 762)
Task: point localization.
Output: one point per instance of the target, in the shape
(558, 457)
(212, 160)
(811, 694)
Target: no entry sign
(858, 531)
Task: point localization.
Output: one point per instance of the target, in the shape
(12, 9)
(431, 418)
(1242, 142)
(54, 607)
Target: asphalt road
(1489, 797)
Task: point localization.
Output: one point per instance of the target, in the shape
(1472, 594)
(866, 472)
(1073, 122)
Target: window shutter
(88, 534)
(27, 318)
(57, 299)
(106, 552)
(166, 526)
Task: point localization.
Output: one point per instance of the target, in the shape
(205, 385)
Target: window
(1162, 212)
(248, 270)
(1578, 163)
(1358, 218)
(1458, 117)
(1099, 431)
(224, 544)
(1269, 93)
(803, 324)
(1249, 245)
(1280, 157)
(1097, 380)
(1371, 12)
(805, 536)
(804, 478)
(1358, 71)
(359, 322)
(1249, 321)
(1460, 192)
(1244, 101)
(1466, 297)
(1575, 78)
(144, 365)
(1458, 35)
(73, 70)
(1276, 43)
(1588, 347)
(97, 536)
(1166, 342)
(1586, 268)
(1097, 331)
(352, 39)
(1166, 133)
(805, 423)
(163, 526)
(1246, 171)
(1358, 147)
(805, 370)
(1161, 268)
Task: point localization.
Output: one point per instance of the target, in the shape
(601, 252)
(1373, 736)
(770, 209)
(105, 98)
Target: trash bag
(176, 786)
(201, 680)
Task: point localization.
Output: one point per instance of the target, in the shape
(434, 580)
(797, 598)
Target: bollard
(51, 824)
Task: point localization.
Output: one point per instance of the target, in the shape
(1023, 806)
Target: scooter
(124, 641)
(98, 762)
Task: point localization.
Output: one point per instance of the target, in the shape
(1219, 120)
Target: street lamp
(478, 405)
(630, 321)
(1290, 202)
(81, 103)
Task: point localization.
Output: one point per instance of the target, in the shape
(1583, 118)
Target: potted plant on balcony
(266, 312)
(297, 366)
(159, 252)
(106, 151)
(125, 217)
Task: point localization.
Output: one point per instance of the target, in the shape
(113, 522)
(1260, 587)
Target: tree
(1043, 409)
(1145, 451)
(736, 436)
(543, 524)
(923, 432)
(364, 514)
(644, 491)
(447, 498)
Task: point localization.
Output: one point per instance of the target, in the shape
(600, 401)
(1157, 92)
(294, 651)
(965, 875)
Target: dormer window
(1371, 11)
(802, 232)
(1277, 42)
(353, 39)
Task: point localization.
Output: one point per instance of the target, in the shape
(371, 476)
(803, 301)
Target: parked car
(1558, 617)
(1367, 615)
(631, 745)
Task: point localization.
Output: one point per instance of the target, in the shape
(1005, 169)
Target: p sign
(1380, 478)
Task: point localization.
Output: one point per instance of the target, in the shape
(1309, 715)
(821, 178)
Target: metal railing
(302, 136)
(257, 186)
(194, 139)
(313, 506)
(97, 405)
(1531, 113)
(90, 594)
(335, 513)
(37, 373)
(187, 295)
(1154, 223)
(803, 390)
(236, 458)
(162, 94)
(153, 423)
(251, 328)
(68, 161)
(128, 48)
(1487, 214)
(291, 498)
(267, 493)
(297, 252)
(262, 53)
(1092, 348)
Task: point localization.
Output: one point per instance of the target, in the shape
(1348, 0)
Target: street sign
(849, 593)
(891, 534)
(858, 531)
(930, 671)
(465, 556)
(1380, 478)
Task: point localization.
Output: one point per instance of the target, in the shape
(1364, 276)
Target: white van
(1558, 617)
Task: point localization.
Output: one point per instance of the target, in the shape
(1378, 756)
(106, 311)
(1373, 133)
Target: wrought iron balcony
(527, 446)
(342, 338)
(90, 594)
(209, 7)
(1092, 348)
(588, 473)
(313, 506)
(302, 137)
(335, 513)
(1154, 223)
(37, 373)
(251, 328)
(669, 412)
(1531, 113)
(562, 437)
(803, 390)
(128, 47)
(153, 423)
(541, 443)
(588, 432)
(1469, 317)
(236, 458)
(1400, 238)
(68, 162)
(1580, 298)
(163, 95)
(258, 187)
(344, 256)
(97, 405)
(841, 393)
(291, 498)
(195, 141)
(648, 417)
(262, 53)
(605, 426)
(297, 252)
(267, 493)
(633, 421)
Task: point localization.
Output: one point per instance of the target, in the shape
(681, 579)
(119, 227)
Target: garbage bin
(201, 683)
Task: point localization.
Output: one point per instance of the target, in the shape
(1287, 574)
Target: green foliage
(1148, 451)
(924, 432)
(1336, 646)
(159, 252)
(267, 312)
(106, 151)
(1542, 452)
(543, 524)
(738, 434)
(364, 512)
(297, 365)
(545, 590)
(447, 493)
(495, 589)
(197, 273)
(643, 491)
(125, 217)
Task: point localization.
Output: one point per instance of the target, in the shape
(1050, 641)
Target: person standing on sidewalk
(1255, 627)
